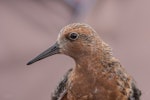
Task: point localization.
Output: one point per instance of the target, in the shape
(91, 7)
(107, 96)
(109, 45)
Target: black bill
(49, 52)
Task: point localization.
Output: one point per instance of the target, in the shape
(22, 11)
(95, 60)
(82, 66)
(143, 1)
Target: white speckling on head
(58, 38)
(74, 25)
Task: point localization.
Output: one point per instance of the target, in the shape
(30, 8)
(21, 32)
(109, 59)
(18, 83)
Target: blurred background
(28, 27)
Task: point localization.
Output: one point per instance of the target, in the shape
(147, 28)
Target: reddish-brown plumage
(97, 75)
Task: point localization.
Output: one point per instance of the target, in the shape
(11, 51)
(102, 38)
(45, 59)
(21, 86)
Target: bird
(97, 74)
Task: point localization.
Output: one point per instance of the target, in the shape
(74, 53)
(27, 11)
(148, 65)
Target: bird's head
(75, 40)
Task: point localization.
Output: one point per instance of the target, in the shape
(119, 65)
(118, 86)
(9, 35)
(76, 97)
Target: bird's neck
(98, 60)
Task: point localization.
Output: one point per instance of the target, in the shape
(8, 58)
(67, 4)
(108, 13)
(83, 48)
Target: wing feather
(61, 90)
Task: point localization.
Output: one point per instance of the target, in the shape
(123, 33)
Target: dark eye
(73, 36)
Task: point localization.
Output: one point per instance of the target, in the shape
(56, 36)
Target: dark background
(28, 27)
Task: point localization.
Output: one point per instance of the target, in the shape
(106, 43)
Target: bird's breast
(84, 85)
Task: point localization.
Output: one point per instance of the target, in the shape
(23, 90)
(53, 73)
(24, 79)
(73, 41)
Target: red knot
(97, 75)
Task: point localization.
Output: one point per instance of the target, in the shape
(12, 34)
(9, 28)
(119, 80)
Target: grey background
(28, 27)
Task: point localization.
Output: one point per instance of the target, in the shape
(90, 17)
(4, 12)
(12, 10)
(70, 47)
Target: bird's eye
(73, 36)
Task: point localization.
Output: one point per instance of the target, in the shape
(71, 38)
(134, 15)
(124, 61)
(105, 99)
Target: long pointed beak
(49, 52)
